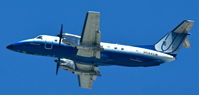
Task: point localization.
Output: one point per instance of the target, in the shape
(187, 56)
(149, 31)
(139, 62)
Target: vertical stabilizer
(171, 42)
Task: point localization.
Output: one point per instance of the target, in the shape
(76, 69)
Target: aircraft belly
(122, 59)
(125, 59)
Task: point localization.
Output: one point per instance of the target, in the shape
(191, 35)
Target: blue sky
(130, 22)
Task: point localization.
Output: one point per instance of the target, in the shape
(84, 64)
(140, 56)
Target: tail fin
(171, 42)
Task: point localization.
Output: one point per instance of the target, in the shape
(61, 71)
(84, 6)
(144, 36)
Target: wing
(90, 34)
(88, 75)
(86, 80)
(90, 38)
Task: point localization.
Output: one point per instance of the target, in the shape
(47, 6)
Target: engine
(71, 39)
(71, 66)
(67, 64)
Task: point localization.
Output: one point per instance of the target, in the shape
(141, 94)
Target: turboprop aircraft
(82, 55)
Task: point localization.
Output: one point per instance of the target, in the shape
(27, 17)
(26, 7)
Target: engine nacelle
(71, 39)
(66, 63)
(70, 66)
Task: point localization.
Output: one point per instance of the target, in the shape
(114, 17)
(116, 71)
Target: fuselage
(112, 54)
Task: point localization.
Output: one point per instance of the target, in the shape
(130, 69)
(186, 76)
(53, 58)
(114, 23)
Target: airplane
(82, 55)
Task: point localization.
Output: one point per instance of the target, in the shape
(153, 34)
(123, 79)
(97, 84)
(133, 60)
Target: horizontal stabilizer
(184, 27)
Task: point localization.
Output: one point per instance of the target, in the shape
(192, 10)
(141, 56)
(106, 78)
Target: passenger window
(122, 48)
(115, 47)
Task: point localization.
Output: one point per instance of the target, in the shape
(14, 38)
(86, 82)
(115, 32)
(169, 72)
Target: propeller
(60, 38)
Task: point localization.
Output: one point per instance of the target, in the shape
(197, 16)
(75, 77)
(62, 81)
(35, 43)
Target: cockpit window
(39, 37)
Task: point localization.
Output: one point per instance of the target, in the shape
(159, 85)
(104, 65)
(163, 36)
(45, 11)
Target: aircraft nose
(9, 47)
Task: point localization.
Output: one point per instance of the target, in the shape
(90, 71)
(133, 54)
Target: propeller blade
(60, 35)
(58, 64)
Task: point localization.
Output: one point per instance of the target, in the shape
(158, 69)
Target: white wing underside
(90, 38)
(86, 79)
(86, 73)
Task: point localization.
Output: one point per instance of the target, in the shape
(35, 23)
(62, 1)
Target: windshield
(38, 37)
